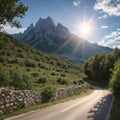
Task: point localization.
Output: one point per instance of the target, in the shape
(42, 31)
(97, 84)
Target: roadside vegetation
(115, 85)
(104, 70)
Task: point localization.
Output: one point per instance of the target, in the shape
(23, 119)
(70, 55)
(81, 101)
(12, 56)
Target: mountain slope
(14, 55)
(57, 39)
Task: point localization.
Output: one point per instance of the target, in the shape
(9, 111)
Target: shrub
(35, 74)
(75, 82)
(62, 81)
(19, 50)
(26, 83)
(28, 70)
(53, 74)
(20, 81)
(63, 75)
(41, 66)
(2, 60)
(20, 55)
(37, 59)
(115, 79)
(51, 62)
(48, 94)
(42, 80)
(4, 80)
(81, 81)
(59, 70)
(29, 64)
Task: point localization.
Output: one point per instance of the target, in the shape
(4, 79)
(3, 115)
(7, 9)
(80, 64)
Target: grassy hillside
(39, 66)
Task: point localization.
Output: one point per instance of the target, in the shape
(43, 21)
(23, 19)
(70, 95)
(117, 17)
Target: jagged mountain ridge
(57, 39)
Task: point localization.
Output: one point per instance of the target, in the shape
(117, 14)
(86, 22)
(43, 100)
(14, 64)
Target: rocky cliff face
(51, 38)
(44, 31)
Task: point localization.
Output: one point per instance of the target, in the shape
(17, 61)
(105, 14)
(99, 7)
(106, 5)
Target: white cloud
(108, 7)
(13, 30)
(76, 3)
(104, 26)
(118, 29)
(112, 40)
(103, 16)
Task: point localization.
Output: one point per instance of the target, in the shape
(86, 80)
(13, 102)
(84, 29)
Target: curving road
(95, 106)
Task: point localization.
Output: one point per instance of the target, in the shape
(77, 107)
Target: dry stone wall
(62, 92)
(12, 100)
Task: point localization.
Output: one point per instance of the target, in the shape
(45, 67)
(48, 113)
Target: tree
(9, 11)
(4, 81)
(20, 80)
(115, 79)
(98, 67)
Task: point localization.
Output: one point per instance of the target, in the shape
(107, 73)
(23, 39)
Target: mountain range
(46, 36)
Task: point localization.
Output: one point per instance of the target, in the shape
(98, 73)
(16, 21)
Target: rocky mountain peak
(62, 31)
(44, 24)
(51, 38)
(31, 26)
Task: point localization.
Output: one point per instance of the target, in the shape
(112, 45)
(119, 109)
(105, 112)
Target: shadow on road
(100, 109)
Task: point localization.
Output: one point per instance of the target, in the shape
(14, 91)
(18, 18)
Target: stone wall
(12, 100)
(62, 92)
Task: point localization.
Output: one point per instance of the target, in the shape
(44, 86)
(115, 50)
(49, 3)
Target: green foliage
(19, 80)
(4, 78)
(75, 82)
(9, 11)
(42, 80)
(16, 79)
(26, 82)
(98, 67)
(62, 81)
(115, 79)
(47, 94)
(63, 75)
(36, 65)
(35, 74)
(29, 64)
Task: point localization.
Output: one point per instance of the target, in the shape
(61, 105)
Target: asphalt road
(95, 106)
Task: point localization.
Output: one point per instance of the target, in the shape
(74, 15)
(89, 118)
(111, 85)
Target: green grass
(115, 113)
(16, 55)
(35, 107)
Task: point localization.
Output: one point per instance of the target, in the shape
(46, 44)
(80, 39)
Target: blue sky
(103, 16)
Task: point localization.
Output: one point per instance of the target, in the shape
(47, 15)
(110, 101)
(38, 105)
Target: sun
(85, 28)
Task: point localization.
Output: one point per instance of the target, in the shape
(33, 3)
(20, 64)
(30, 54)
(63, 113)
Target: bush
(51, 62)
(4, 79)
(63, 75)
(29, 64)
(53, 74)
(20, 55)
(115, 79)
(42, 80)
(81, 81)
(2, 60)
(62, 81)
(35, 74)
(48, 94)
(26, 83)
(75, 82)
(20, 81)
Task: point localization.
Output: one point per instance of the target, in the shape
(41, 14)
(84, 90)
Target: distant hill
(41, 67)
(57, 39)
